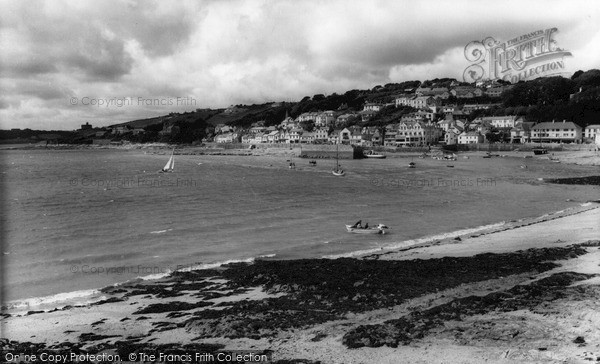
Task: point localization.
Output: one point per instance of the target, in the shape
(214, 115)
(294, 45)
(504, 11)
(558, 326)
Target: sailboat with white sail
(170, 164)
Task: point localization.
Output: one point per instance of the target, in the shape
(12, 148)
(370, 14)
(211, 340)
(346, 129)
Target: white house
(403, 100)
(344, 136)
(591, 131)
(295, 135)
(356, 135)
(471, 137)
(422, 102)
(307, 137)
(320, 135)
(417, 133)
(224, 138)
(308, 116)
(373, 106)
(273, 137)
(506, 121)
(565, 132)
(326, 118)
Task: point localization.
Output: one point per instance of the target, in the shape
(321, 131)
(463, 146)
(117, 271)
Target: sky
(65, 63)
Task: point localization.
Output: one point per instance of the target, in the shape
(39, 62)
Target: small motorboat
(312, 163)
(450, 157)
(411, 165)
(372, 154)
(379, 229)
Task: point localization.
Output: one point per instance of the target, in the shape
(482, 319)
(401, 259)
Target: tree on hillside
(590, 78)
(308, 125)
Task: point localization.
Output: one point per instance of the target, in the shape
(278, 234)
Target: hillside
(547, 98)
(575, 99)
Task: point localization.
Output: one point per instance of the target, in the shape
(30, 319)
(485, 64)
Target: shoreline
(580, 156)
(93, 295)
(177, 309)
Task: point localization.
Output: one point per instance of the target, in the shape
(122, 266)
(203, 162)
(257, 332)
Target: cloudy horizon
(59, 57)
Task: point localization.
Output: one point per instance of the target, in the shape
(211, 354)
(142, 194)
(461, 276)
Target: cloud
(234, 51)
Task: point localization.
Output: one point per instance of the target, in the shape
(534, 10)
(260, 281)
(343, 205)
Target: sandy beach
(526, 291)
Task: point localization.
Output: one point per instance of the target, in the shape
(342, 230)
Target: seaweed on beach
(417, 324)
(320, 290)
(589, 180)
(157, 290)
(170, 307)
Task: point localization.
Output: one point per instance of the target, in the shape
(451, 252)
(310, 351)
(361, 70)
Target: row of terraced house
(415, 129)
(431, 123)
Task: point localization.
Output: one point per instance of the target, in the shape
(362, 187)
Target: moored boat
(337, 171)
(379, 229)
(372, 154)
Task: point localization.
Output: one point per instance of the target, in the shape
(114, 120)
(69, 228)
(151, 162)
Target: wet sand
(525, 292)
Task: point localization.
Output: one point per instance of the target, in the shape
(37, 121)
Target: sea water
(75, 221)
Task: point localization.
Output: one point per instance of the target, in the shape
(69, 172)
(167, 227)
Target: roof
(470, 133)
(513, 117)
(365, 112)
(556, 125)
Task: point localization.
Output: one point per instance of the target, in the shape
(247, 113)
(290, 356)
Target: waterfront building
(506, 121)
(521, 133)
(591, 131)
(470, 137)
(321, 135)
(417, 133)
(563, 132)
